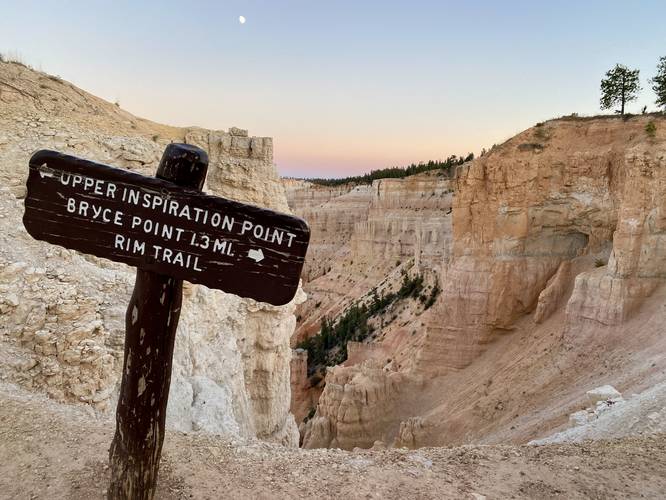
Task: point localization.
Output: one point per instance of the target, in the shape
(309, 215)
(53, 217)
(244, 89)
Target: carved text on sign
(159, 226)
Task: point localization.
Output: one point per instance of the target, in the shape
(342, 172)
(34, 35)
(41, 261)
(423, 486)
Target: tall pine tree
(659, 83)
(619, 87)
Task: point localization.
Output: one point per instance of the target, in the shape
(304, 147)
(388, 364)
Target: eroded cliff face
(340, 422)
(408, 218)
(332, 213)
(380, 231)
(376, 230)
(553, 193)
(62, 313)
(553, 283)
(637, 264)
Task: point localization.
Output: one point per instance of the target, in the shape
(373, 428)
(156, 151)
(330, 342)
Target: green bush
(329, 346)
(651, 129)
(541, 133)
(410, 287)
(433, 297)
(530, 146)
(311, 413)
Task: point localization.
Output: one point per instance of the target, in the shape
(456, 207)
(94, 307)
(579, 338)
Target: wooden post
(150, 330)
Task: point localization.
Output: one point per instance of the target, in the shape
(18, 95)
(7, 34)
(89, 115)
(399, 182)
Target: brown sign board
(161, 227)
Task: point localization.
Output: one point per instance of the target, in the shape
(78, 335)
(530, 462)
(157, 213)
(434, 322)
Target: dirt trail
(52, 451)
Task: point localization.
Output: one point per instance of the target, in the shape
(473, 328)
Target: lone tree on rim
(619, 87)
(659, 83)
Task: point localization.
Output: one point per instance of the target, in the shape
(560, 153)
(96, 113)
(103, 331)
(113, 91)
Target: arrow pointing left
(45, 171)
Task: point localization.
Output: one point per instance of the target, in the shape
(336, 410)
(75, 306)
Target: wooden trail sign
(170, 231)
(159, 226)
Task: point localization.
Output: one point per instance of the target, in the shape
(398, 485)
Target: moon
(241, 19)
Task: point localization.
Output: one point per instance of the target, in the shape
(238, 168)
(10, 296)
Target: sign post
(150, 332)
(170, 231)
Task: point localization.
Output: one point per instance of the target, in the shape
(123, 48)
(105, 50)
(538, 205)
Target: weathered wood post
(150, 332)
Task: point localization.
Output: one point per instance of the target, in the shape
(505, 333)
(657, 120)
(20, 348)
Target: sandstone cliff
(562, 190)
(552, 281)
(361, 234)
(333, 212)
(62, 313)
(363, 239)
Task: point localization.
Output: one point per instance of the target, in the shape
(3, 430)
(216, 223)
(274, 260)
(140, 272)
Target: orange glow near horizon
(344, 87)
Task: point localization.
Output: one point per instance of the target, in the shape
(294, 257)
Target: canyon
(494, 296)
(549, 253)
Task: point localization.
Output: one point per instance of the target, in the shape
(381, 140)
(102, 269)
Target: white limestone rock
(642, 414)
(580, 417)
(62, 327)
(603, 393)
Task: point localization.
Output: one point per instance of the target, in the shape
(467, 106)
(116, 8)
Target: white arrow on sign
(256, 255)
(45, 171)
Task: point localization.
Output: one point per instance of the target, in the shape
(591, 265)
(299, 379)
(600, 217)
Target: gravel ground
(53, 451)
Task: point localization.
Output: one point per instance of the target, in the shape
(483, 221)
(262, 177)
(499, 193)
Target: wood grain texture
(151, 323)
(233, 265)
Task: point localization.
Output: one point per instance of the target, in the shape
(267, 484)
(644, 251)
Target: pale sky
(344, 87)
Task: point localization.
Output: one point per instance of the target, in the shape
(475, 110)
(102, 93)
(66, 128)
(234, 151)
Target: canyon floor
(49, 450)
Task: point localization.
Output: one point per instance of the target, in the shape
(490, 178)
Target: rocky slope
(62, 313)
(610, 415)
(552, 283)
